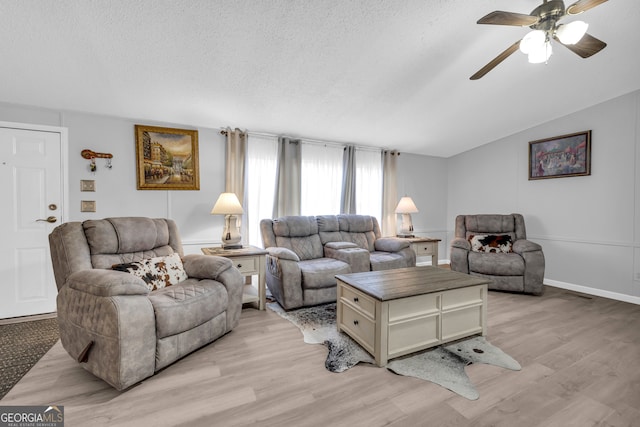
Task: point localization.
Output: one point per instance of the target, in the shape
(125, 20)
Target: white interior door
(31, 192)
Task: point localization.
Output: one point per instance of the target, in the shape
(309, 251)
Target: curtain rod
(312, 141)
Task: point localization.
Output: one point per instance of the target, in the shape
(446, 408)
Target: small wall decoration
(167, 159)
(560, 156)
(92, 155)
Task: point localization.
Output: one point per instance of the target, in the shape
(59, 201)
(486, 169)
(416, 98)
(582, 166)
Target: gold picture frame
(167, 158)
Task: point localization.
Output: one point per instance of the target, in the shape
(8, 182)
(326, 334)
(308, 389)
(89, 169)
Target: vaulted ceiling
(393, 74)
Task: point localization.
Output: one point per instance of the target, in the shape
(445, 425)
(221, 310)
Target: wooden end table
(249, 260)
(425, 246)
(396, 312)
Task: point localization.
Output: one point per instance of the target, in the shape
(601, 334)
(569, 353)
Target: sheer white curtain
(321, 179)
(262, 154)
(369, 183)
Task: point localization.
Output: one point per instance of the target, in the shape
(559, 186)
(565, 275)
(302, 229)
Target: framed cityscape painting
(560, 156)
(167, 158)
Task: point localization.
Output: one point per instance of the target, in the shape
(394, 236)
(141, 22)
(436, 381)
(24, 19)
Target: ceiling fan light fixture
(572, 32)
(532, 40)
(540, 53)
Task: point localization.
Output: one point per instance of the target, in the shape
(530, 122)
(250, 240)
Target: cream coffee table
(396, 312)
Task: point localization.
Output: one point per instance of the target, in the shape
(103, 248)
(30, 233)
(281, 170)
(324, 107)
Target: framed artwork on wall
(167, 158)
(560, 156)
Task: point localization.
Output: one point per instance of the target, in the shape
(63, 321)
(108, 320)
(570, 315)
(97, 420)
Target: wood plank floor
(580, 357)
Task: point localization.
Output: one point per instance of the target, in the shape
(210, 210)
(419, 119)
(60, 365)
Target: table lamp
(406, 207)
(229, 206)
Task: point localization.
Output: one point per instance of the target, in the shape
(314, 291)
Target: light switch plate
(87, 185)
(87, 206)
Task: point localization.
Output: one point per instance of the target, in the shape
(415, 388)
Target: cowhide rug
(443, 365)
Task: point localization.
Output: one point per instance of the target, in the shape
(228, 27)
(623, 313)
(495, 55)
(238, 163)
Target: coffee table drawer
(411, 335)
(363, 302)
(461, 323)
(419, 305)
(359, 327)
(461, 297)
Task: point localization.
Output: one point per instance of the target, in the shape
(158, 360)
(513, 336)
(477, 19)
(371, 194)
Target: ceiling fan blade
(583, 5)
(499, 17)
(495, 61)
(586, 47)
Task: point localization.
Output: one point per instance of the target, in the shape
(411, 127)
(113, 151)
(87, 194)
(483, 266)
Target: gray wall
(421, 177)
(588, 226)
(424, 179)
(116, 193)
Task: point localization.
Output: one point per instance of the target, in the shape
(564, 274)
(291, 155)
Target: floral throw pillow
(491, 243)
(158, 272)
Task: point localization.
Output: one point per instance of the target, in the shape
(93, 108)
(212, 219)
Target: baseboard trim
(576, 288)
(593, 291)
(426, 263)
(12, 320)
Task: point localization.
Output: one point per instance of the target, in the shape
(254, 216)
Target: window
(262, 155)
(321, 179)
(369, 182)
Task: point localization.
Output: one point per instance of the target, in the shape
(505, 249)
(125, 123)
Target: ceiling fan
(544, 24)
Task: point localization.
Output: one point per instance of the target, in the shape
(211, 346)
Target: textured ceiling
(384, 73)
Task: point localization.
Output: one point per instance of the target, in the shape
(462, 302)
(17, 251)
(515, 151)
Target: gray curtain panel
(288, 178)
(389, 192)
(348, 198)
(235, 176)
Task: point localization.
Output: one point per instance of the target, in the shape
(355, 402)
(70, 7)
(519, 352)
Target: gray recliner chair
(305, 253)
(112, 322)
(496, 247)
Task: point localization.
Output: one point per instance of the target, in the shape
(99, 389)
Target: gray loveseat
(307, 252)
(111, 322)
(496, 247)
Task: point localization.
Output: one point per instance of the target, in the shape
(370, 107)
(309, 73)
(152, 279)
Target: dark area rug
(21, 346)
(443, 365)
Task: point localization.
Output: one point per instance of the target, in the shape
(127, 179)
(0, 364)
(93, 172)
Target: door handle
(50, 219)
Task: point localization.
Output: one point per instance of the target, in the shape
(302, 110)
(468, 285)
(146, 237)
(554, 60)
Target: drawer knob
(355, 299)
(355, 322)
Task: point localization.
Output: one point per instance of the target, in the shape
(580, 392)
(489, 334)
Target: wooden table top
(406, 282)
(421, 239)
(244, 251)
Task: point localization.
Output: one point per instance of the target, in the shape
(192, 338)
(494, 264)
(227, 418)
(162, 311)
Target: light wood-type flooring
(580, 357)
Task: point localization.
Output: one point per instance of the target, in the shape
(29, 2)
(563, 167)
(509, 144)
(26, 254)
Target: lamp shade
(406, 206)
(541, 53)
(572, 32)
(227, 204)
(531, 41)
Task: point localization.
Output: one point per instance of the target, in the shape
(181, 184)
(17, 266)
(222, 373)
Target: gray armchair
(496, 247)
(112, 322)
